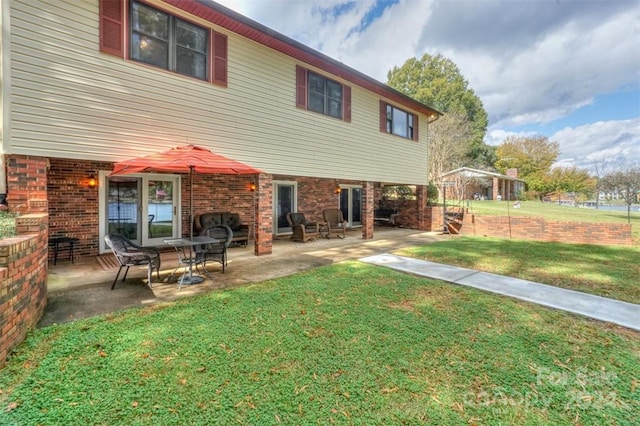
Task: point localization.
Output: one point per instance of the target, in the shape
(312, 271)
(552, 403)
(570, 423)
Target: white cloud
(529, 61)
(603, 141)
(615, 141)
(561, 73)
(497, 136)
(372, 48)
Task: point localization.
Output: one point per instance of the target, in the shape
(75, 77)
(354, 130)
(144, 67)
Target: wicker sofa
(232, 220)
(387, 216)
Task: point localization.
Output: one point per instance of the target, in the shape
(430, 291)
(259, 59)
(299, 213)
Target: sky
(565, 69)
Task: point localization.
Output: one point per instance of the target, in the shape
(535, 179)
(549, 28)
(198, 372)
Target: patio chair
(301, 230)
(334, 223)
(129, 254)
(216, 252)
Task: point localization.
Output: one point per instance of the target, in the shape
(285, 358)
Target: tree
(600, 167)
(627, 183)
(447, 141)
(533, 158)
(530, 155)
(569, 179)
(436, 81)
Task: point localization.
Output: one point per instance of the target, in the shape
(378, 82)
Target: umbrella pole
(191, 202)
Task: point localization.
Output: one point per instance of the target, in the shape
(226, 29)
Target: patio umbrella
(186, 159)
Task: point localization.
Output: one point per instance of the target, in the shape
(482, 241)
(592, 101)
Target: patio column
(27, 184)
(367, 210)
(421, 205)
(263, 215)
(496, 188)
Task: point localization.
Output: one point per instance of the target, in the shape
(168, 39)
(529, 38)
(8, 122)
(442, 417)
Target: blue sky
(619, 105)
(565, 69)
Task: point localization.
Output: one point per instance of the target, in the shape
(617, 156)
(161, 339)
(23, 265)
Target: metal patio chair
(129, 254)
(216, 252)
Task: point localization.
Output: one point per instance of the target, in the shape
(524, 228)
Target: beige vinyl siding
(71, 101)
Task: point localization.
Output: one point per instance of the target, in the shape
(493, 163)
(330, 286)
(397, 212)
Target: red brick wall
(263, 243)
(412, 217)
(73, 205)
(27, 184)
(368, 206)
(538, 229)
(23, 281)
(315, 195)
(220, 193)
(61, 186)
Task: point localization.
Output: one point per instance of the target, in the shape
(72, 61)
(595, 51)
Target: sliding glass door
(351, 204)
(284, 201)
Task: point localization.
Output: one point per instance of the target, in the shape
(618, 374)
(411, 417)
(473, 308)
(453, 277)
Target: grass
(349, 343)
(7, 224)
(555, 212)
(608, 271)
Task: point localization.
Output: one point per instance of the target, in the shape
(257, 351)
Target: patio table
(184, 248)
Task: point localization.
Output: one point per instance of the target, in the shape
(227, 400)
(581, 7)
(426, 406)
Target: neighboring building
(466, 183)
(89, 83)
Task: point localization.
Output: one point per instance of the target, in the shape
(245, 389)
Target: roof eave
(248, 28)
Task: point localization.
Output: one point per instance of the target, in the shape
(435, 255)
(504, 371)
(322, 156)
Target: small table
(62, 243)
(185, 257)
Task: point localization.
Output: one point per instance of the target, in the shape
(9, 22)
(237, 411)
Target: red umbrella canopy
(188, 158)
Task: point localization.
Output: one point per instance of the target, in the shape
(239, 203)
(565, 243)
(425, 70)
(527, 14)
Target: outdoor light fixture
(252, 187)
(92, 181)
(338, 190)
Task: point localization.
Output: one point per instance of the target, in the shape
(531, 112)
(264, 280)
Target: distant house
(467, 183)
(86, 84)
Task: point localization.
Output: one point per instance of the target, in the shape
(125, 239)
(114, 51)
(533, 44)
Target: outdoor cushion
(232, 220)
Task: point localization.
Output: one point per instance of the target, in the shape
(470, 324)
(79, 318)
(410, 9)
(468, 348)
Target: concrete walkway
(596, 307)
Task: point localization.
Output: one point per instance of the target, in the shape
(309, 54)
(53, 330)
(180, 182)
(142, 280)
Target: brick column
(27, 184)
(367, 210)
(496, 188)
(421, 203)
(23, 280)
(263, 203)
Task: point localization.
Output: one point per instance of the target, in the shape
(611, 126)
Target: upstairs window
(160, 39)
(168, 42)
(398, 122)
(323, 95)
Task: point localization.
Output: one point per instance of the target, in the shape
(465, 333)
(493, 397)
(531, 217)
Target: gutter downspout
(5, 96)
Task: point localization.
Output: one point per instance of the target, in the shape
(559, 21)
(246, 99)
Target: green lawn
(556, 212)
(349, 343)
(609, 271)
(7, 225)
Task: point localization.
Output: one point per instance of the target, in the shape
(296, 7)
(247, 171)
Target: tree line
(456, 139)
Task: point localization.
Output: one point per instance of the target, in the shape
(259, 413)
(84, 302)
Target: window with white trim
(157, 38)
(315, 92)
(168, 42)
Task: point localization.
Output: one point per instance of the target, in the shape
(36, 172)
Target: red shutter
(301, 87)
(383, 116)
(219, 58)
(346, 103)
(415, 127)
(112, 30)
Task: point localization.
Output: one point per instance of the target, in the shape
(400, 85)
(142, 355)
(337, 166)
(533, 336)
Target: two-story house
(88, 83)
